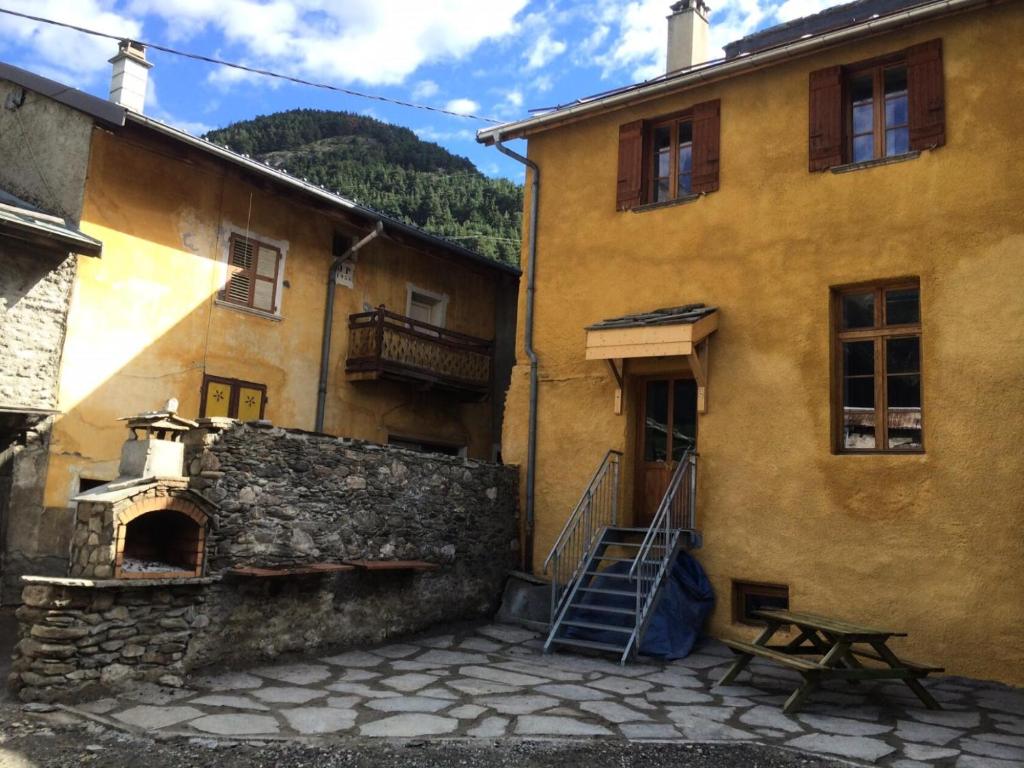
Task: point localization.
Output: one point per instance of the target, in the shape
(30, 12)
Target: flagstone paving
(493, 681)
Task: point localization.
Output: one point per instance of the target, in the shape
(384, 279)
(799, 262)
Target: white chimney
(687, 35)
(130, 75)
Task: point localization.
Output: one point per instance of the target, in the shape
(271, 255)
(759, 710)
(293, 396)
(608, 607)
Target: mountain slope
(388, 168)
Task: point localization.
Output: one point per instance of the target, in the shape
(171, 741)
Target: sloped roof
(684, 315)
(23, 221)
(790, 44)
(836, 17)
(115, 115)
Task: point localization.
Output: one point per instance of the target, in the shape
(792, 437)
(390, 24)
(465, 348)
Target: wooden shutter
(826, 145)
(706, 145)
(925, 95)
(240, 272)
(264, 286)
(631, 160)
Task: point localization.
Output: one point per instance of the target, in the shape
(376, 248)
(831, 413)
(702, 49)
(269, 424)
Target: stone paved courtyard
(493, 681)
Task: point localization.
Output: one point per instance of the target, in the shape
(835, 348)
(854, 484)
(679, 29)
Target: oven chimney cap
(162, 425)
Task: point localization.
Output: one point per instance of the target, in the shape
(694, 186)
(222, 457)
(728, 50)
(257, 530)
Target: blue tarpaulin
(675, 627)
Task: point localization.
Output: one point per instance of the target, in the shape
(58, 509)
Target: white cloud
(155, 110)
(376, 42)
(543, 51)
(463, 106)
(425, 89)
(63, 54)
(429, 133)
(542, 83)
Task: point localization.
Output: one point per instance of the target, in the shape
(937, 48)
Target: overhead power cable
(253, 70)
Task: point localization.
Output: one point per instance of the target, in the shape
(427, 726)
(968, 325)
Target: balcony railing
(383, 344)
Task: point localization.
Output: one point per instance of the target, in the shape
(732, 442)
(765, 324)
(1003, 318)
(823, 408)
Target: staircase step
(589, 644)
(604, 609)
(630, 592)
(594, 625)
(635, 545)
(617, 575)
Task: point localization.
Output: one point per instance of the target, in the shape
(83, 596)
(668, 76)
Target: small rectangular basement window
(423, 446)
(749, 596)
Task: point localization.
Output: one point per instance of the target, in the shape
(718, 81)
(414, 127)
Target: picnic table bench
(839, 646)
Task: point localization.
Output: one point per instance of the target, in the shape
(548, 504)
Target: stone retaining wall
(73, 639)
(289, 497)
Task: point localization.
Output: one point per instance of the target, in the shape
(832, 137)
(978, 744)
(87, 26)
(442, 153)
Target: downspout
(531, 353)
(325, 348)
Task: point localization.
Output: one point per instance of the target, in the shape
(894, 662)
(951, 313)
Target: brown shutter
(706, 145)
(240, 272)
(927, 103)
(631, 154)
(825, 149)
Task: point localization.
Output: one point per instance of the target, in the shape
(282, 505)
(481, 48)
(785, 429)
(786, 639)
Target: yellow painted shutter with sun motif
(217, 399)
(250, 403)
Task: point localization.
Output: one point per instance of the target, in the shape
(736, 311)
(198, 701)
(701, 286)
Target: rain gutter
(325, 347)
(531, 353)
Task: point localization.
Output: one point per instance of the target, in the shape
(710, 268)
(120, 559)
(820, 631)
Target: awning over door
(667, 332)
(659, 333)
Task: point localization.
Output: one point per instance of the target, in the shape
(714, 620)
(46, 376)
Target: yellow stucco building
(212, 288)
(844, 196)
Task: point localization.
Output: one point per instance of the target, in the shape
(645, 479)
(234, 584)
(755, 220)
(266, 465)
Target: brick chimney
(130, 75)
(687, 35)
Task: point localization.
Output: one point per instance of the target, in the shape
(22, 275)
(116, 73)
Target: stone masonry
(289, 497)
(279, 498)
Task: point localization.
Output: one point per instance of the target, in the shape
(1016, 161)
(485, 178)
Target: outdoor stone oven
(147, 524)
(154, 530)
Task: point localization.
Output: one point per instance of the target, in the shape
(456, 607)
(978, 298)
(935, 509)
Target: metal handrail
(676, 513)
(596, 510)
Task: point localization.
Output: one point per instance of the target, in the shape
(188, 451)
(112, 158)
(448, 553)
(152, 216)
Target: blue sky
(496, 58)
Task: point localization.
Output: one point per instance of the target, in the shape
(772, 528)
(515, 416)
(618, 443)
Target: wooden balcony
(386, 345)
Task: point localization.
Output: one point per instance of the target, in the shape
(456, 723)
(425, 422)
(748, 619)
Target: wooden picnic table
(839, 645)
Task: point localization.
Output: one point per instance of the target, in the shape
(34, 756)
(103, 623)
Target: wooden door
(666, 428)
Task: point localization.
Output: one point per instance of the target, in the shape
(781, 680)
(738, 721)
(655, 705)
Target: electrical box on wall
(346, 274)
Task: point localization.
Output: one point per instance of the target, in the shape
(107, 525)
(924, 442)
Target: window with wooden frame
(751, 596)
(232, 398)
(669, 158)
(885, 107)
(876, 396)
(253, 272)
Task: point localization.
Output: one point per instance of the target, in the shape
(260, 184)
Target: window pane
(862, 88)
(685, 158)
(859, 310)
(685, 132)
(859, 420)
(858, 358)
(895, 80)
(902, 306)
(903, 355)
(685, 184)
(661, 191)
(863, 117)
(863, 148)
(897, 142)
(896, 110)
(662, 146)
(684, 416)
(656, 421)
(904, 391)
(263, 295)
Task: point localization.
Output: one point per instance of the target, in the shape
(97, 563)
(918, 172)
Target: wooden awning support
(699, 367)
(617, 373)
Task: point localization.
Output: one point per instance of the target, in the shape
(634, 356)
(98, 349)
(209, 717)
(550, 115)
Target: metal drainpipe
(325, 348)
(531, 271)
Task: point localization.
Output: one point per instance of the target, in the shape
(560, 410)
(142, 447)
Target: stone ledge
(64, 581)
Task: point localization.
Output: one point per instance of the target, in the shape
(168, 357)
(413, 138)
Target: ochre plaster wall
(931, 544)
(144, 324)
